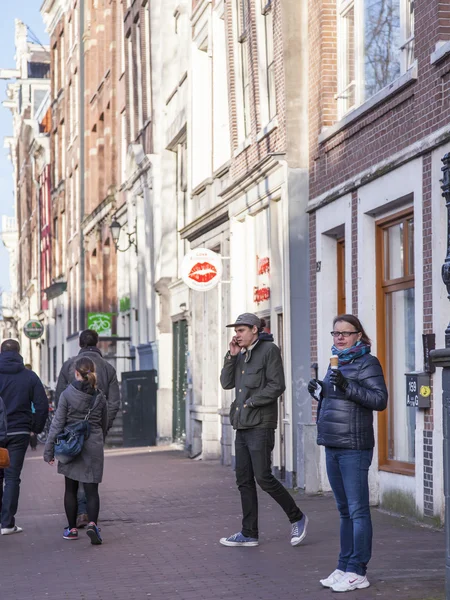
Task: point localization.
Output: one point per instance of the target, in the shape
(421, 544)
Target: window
(76, 200)
(139, 77)
(56, 159)
(130, 70)
(182, 196)
(71, 109)
(148, 83)
(62, 128)
(62, 60)
(267, 11)
(55, 71)
(376, 45)
(242, 71)
(396, 336)
(76, 100)
(56, 246)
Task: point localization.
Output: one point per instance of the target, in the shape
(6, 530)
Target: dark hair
(10, 346)
(262, 326)
(88, 337)
(356, 324)
(28, 366)
(86, 368)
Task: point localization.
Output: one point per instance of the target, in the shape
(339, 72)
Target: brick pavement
(162, 515)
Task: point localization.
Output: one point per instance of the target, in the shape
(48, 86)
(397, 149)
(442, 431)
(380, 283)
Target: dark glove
(312, 386)
(338, 380)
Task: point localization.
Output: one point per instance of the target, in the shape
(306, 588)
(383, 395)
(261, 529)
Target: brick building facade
(27, 99)
(378, 130)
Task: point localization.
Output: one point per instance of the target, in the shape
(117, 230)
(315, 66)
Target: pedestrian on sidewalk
(19, 388)
(75, 402)
(347, 397)
(106, 382)
(253, 366)
(33, 437)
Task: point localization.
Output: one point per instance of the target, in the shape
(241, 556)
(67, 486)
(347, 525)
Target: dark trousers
(348, 472)
(254, 464)
(71, 502)
(10, 478)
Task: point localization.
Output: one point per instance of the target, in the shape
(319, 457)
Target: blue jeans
(17, 447)
(348, 472)
(254, 462)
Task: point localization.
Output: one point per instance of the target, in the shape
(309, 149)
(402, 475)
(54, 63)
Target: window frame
(384, 287)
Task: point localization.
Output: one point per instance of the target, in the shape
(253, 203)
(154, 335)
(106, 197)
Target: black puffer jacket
(345, 419)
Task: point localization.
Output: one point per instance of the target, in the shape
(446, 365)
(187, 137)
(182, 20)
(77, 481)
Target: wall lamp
(116, 228)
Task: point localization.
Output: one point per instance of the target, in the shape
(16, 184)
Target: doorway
(180, 383)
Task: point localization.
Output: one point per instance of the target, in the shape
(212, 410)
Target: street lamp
(116, 228)
(441, 358)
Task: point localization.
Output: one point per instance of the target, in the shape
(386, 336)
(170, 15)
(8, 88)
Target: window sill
(271, 125)
(399, 468)
(442, 51)
(243, 146)
(391, 90)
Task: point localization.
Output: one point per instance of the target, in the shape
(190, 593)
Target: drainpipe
(81, 70)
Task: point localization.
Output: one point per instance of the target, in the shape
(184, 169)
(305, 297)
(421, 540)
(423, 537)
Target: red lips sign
(201, 269)
(203, 272)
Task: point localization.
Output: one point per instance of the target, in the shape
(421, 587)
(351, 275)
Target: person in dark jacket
(347, 397)
(253, 366)
(80, 399)
(19, 388)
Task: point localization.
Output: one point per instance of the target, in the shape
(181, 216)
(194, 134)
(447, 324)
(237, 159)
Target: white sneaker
(335, 576)
(11, 530)
(349, 582)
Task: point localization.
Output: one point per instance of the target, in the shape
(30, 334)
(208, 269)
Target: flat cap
(247, 319)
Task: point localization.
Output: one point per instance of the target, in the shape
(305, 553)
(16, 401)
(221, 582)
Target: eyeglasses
(344, 334)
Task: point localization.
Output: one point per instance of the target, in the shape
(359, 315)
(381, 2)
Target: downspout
(82, 282)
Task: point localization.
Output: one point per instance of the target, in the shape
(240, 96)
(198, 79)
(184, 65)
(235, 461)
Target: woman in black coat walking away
(352, 389)
(74, 404)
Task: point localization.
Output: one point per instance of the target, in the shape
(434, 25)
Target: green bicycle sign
(101, 323)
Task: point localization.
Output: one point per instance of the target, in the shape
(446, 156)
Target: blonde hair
(86, 368)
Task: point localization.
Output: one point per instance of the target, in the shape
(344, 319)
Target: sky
(28, 12)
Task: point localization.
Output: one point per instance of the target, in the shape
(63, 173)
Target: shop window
(396, 339)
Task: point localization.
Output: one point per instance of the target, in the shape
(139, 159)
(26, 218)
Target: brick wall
(404, 118)
(102, 72)
(275, 141)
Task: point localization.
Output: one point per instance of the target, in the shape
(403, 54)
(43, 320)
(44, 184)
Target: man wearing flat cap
(253, 366)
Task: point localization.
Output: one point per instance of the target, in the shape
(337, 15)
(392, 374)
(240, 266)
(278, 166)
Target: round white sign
(201, 269)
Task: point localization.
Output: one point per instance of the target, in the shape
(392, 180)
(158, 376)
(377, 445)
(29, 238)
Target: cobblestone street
(161, 518)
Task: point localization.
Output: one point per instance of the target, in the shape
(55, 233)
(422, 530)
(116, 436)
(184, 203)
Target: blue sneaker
(239, 540)
(93, 533)
(70, 534)
(298, 531)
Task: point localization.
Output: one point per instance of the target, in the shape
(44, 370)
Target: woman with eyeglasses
(347, 397)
